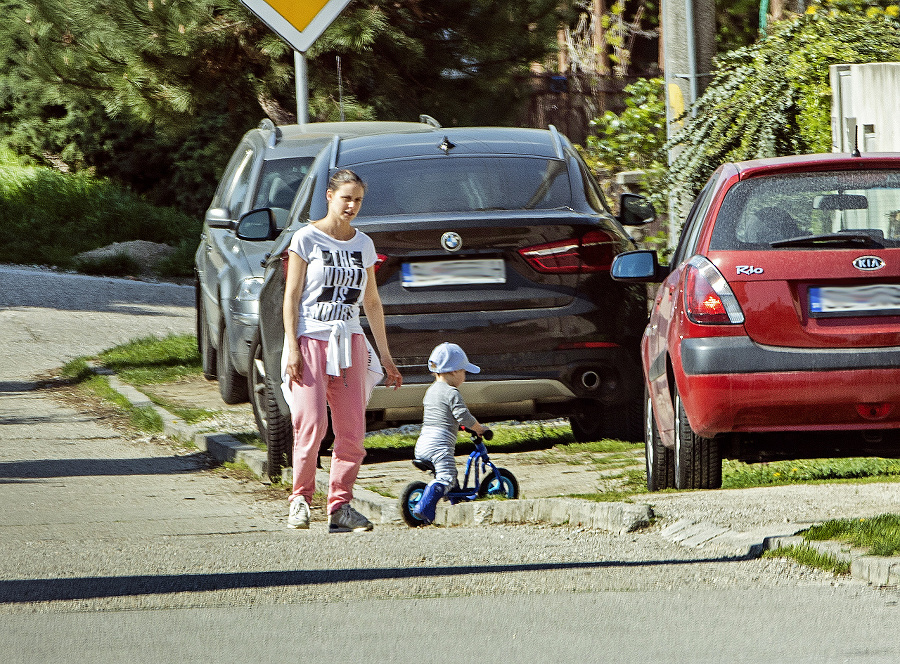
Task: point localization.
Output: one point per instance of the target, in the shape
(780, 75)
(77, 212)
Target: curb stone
(876, 570)
(613, 517)
(616, 518)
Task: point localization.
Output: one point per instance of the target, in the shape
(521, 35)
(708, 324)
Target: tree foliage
(773, 98)
(155, 93)
(462, 61)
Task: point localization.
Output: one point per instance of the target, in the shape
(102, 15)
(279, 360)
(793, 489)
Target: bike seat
(424, 464)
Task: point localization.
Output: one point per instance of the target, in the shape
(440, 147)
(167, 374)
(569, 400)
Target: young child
(445, 411)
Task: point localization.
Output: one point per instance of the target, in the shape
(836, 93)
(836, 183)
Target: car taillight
(708, 299)
(593, 252)
(379, 261)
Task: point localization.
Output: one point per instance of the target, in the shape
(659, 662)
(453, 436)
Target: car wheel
(256, 387)
(279, 432)
(232, 385)
(207, 350)
(698, 461)
(587, 421)
(660, 459)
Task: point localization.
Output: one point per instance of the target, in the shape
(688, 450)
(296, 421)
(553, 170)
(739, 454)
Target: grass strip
(150, 360)
(144, 418)
(810, 557)
(739, 475)
(879, 534)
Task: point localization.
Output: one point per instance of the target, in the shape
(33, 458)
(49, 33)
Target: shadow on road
(46, 590)
(13, 471)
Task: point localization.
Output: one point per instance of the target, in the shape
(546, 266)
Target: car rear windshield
(811, 210)
(463, 184)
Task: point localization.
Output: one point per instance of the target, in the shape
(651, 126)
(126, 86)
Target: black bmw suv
(500, 240)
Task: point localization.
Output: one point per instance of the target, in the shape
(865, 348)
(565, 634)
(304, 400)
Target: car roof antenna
(447, 145)
(855, 152)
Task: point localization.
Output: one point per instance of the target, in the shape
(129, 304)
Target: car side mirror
(638, 266)
(635, 210)
(258, 225)
(218, 218)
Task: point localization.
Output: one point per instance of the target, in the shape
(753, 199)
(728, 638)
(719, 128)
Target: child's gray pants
(438, 445)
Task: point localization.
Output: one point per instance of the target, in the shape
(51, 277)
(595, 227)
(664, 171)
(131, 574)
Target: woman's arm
(293, 290)
(375, 315)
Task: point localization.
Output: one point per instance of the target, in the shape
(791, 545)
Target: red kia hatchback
(780, 311)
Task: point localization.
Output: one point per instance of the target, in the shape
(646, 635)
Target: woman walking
(326, 355)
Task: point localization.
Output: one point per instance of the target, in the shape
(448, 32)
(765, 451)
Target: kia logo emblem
(451, 241)
(868, 263)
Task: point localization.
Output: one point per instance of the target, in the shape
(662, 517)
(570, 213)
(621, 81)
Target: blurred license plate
(873, 300)
(453, 273)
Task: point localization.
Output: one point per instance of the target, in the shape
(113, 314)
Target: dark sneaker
(298, 516)
(345, 519)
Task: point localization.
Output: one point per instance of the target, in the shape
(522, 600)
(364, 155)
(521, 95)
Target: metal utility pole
(689, 44)
(299, 24)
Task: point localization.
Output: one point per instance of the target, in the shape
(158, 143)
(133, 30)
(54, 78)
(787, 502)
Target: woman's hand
(392, 374)
(294, 367)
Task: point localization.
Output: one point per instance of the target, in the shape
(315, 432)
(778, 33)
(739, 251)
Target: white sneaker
(345, 519)
(298, 516)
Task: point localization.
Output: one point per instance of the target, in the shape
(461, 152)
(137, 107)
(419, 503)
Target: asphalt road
(116, 548)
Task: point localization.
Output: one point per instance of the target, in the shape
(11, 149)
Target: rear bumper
(740, 355)
(734, 385)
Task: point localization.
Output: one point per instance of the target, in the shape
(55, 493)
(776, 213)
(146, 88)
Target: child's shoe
(427, 507)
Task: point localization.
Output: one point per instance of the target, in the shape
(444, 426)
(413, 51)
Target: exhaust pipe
(590, 380)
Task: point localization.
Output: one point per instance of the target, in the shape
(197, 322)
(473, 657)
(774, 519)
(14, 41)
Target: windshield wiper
(848, 240)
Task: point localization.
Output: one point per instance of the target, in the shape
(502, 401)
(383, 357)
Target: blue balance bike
(497, 482)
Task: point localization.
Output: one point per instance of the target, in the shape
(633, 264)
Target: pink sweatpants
(345, 395)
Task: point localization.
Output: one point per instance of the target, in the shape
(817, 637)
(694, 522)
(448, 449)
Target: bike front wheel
(412, 494)
(499, 484)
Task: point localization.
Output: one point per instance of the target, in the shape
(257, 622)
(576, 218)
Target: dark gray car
(264, 172)
(500, 240)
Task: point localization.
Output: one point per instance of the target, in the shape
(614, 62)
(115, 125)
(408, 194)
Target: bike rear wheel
(412, 494)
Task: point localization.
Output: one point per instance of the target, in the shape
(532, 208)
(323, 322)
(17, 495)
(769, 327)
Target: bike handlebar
(487, 435)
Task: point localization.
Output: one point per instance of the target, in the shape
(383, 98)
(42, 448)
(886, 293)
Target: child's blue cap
(448, 357)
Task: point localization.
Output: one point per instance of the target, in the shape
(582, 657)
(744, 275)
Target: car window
(694, 222)
(464, 184)
(592, 191)
(237, 194)
(227, 179)
(759, 211)
(279, 181)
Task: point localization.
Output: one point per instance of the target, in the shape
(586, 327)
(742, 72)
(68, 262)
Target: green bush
(50, 216)
(774, 98)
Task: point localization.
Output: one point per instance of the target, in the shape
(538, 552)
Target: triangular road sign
(298, 22)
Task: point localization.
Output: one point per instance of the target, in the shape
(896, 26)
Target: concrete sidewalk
(617, 518)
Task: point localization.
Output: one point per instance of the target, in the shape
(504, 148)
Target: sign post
(299, 23)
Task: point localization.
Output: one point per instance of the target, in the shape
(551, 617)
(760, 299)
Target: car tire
(204, 344)
(279, 433)
(587, 421)
(256, 387)
(698, 460)
(660, 459)
(592, 420)
(232, 385)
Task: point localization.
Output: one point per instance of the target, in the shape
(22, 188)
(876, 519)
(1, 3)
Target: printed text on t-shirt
(343, 280)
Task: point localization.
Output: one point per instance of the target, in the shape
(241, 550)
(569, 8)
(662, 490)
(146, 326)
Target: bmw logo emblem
(451, 241)
(868, 263)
